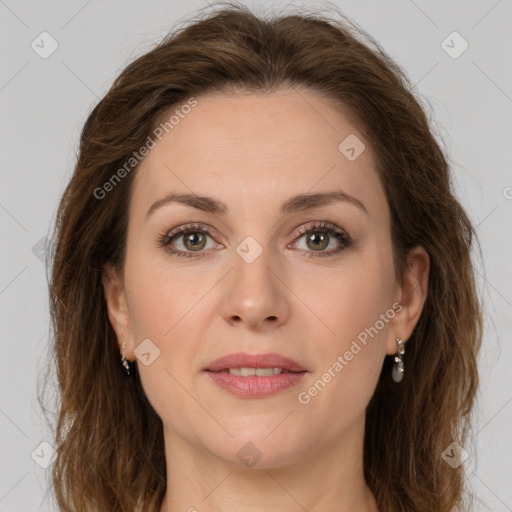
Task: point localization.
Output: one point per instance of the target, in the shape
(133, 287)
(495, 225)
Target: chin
(257, 449)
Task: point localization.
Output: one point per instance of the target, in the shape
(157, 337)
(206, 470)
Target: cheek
(162, 305)
(160, 297)
(351, 296)
(355, 307)
(166, 309)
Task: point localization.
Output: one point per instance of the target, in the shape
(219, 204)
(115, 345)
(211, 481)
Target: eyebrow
(296, 203)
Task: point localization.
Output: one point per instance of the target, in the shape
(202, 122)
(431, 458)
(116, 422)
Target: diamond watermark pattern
(454, 455)
(351, 147)
(146, 352)
(41, 249)
(44, 455)
(249, 455)
(44, 45)
(249, 249)
(454, 45)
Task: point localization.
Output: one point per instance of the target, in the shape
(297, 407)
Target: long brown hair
(109, 440)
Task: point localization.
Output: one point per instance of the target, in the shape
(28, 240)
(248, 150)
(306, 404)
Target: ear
(413, 293)
(117, 307)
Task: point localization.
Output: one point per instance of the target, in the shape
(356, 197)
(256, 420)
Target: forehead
(258, 147)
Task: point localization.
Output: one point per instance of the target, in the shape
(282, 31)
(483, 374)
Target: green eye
(194, 240)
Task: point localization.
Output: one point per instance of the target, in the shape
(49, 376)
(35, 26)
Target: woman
(262, 293)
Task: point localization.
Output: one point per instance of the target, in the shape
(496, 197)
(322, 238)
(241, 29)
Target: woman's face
(265, 273)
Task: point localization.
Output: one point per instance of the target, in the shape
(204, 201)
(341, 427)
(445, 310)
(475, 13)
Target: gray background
(44, 103)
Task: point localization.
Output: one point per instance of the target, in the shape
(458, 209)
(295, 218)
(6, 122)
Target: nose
(256, 294)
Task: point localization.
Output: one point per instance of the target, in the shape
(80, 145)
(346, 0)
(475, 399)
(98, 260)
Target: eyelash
(165, 238)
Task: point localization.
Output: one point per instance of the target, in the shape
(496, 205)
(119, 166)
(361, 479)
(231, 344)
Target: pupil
(318, 240)
(195, 240)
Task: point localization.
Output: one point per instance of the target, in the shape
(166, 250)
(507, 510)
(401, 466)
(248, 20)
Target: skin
(253, 152)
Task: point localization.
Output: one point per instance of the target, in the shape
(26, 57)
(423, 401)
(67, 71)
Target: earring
(125, 362)
(398, 367)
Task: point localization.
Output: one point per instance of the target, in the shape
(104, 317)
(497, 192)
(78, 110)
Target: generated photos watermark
(143, 151)
(304, 397)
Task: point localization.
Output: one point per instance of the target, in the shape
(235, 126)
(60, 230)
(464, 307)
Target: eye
(190, 239)
(319, 235)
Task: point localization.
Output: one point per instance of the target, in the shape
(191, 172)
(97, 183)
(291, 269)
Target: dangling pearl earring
(398, 367)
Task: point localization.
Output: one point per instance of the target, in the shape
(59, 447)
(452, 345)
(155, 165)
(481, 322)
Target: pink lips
(255, 386)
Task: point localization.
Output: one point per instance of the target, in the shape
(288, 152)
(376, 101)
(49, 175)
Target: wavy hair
(108, 438)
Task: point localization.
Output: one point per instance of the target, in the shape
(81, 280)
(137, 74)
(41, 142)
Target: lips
(245, 360)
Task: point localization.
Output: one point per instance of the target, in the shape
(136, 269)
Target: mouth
(258, 381)
(248, 365)
(250, 372)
